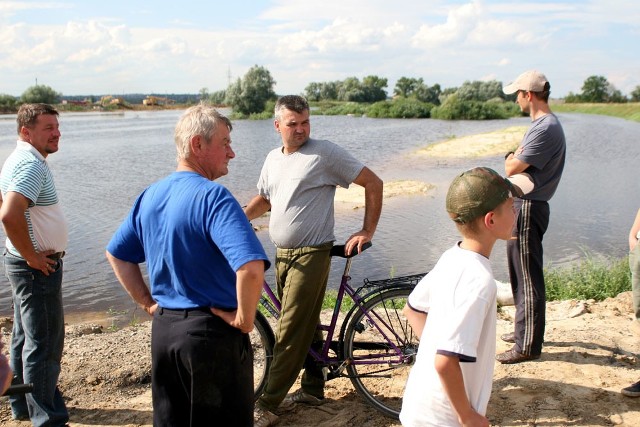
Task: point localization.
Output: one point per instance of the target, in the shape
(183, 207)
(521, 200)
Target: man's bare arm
(373, 188)
(249, 280)
(130, 277)
(12, 215)
(257, 207)
(513, 165)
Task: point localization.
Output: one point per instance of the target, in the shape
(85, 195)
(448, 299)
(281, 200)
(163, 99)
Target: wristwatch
(508, 154)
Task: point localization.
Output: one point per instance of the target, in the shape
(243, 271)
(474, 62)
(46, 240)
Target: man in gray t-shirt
(541, 155)
(298, 183)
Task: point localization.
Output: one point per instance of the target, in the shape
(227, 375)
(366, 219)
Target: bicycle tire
(377, 370)
(262, 342)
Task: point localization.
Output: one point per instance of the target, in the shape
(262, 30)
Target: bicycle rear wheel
(262, 342)
(380, 347)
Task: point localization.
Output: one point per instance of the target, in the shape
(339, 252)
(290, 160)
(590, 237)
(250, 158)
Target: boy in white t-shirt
(455, 306)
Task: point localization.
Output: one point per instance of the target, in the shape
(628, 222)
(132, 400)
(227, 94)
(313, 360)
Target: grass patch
(591, 278)
(330, 298)
(628, 110)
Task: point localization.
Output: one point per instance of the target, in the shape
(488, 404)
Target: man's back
(544, 149)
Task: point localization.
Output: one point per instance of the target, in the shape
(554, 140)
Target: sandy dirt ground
(590, 353)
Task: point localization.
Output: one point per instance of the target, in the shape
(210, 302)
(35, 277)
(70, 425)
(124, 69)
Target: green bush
(455, 109)
(401, 108)
(589, 279)
(8, 104)
(345, 108)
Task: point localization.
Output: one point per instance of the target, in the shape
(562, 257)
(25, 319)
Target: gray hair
(28, 114)
(290, 102)
(201, 119)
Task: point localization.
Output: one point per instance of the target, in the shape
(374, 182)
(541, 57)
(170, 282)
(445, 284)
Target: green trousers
(301, 276)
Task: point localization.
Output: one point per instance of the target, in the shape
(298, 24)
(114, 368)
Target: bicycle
(375, 347)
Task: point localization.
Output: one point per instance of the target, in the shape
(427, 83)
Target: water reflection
(106, 160)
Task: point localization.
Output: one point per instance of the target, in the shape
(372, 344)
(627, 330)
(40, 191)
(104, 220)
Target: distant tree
(594, 89)
(573, 98)
(40, 93)
(313, 91)
(329, 90)
(446, 93)
(204, 94)
(351, 90)
(373, 87)
(635, 95)
(480, 91)
(424, 93)
(251, 94)
(614, 95)
(217, 97)
(8, 103)
(406, 86)
(598, 89)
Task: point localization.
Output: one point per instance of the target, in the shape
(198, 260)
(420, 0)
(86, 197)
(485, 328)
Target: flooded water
(106, 160)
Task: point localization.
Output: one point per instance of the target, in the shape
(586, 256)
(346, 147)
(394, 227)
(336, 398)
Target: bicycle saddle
(338, 250)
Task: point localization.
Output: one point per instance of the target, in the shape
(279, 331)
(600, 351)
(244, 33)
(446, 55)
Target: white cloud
(460, 23)
(300, 42)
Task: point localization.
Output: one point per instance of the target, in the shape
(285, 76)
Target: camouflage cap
(475, 192)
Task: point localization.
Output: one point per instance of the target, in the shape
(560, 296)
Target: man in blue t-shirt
(541, 156)
(206, 269)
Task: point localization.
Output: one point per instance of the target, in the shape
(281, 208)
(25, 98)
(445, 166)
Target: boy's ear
(488, 219)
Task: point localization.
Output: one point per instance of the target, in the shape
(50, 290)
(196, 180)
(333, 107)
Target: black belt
(186, 312)
(56, 256)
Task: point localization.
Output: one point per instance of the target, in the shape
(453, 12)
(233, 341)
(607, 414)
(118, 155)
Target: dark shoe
(512, 356)
(632, 391)
(510, 337)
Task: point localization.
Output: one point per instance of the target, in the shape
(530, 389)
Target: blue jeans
(37, 341)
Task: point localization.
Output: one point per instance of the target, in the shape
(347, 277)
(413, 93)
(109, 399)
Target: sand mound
(480, 145)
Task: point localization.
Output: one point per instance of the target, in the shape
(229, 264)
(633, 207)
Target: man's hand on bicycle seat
(356, 241)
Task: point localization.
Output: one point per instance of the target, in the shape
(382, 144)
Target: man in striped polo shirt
(36, 239)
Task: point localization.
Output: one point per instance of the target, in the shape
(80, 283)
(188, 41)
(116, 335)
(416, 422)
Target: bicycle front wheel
(380, 346)
(262, 342)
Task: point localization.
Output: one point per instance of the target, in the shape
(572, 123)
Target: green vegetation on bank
(590, 278)
(628, 111)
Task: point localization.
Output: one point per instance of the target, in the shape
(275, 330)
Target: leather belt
(56, 256)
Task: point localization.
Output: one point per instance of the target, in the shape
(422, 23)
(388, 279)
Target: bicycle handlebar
(338, 250)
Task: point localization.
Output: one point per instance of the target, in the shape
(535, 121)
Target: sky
(87, 47)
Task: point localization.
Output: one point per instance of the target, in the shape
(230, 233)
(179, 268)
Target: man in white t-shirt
(453, 310)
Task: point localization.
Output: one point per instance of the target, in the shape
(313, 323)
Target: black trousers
(526, 275)
(201, 371)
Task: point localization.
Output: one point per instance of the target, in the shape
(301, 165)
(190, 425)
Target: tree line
(254, 96)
